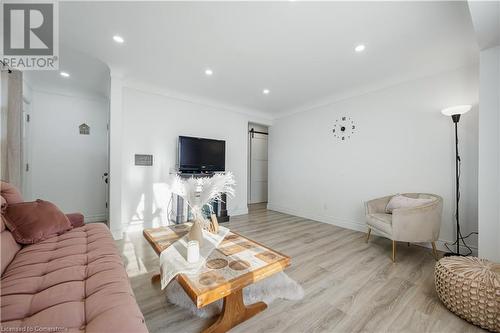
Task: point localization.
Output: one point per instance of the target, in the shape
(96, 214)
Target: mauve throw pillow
(32, 222)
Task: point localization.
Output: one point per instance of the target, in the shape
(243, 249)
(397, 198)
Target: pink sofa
(75, 282)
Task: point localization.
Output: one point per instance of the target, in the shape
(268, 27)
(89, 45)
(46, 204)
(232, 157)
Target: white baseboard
(117, 234)
(357, 226)
(344, 223)
(94, 218)
(236, 212)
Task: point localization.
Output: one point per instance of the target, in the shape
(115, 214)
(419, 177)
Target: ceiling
(486, 19)
(301, 51)
(88, 75)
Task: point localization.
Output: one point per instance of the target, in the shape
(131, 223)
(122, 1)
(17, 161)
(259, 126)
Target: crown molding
(364, 90)
(253, 115)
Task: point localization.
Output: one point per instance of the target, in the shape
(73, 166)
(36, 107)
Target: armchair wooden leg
(393, 251)
(434, 251)
(368, 235)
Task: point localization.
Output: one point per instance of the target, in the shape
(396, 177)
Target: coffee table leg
(234, 312)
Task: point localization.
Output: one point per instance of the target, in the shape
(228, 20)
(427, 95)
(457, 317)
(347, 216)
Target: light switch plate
(143, 160)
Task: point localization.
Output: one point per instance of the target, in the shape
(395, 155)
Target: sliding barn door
(258, 168)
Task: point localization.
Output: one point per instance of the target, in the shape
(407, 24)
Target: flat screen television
(201, 155)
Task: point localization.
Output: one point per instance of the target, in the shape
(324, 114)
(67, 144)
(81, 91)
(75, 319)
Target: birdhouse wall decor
(84, 129)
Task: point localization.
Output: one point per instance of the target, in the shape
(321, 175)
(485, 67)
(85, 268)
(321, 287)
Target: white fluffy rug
(277, 286)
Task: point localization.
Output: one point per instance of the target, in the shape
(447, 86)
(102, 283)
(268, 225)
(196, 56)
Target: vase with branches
(200, 192)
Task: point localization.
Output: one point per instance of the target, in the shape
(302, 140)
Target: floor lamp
(455, 112)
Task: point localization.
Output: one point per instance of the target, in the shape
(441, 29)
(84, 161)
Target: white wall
(402, 144)
(489, 154)
(66, 167)
(152, 123)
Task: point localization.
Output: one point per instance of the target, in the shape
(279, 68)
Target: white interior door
(258, 168)
(67, 167)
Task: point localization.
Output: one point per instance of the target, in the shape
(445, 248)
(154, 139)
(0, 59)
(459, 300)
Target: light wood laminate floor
(350, 286)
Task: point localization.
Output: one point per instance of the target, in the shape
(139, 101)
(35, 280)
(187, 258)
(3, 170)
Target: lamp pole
(455, 112)
(456, 119)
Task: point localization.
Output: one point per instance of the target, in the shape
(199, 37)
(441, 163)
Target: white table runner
(173, 260)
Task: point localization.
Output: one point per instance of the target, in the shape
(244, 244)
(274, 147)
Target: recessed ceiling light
(64, 74)
(209, 72)
(359, 48)
(118, 39)
(266, 91)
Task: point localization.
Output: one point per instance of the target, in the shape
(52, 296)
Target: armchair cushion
(401, 201)
(381, 222)
(377, 205)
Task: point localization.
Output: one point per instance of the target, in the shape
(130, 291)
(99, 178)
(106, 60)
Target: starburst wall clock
(343, 128)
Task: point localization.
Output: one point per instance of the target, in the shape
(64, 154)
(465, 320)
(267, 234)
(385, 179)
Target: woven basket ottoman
(470, 288)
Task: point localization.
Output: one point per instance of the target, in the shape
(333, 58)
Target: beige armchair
(416, 224)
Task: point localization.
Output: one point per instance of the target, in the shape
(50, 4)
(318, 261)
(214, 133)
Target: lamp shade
(457, 109)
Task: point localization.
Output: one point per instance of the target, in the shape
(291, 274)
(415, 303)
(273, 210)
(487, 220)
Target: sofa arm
(377, 205)
(76, 219)
(418, 224)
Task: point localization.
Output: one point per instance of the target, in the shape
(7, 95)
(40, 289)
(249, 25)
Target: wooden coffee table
(235, 264)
